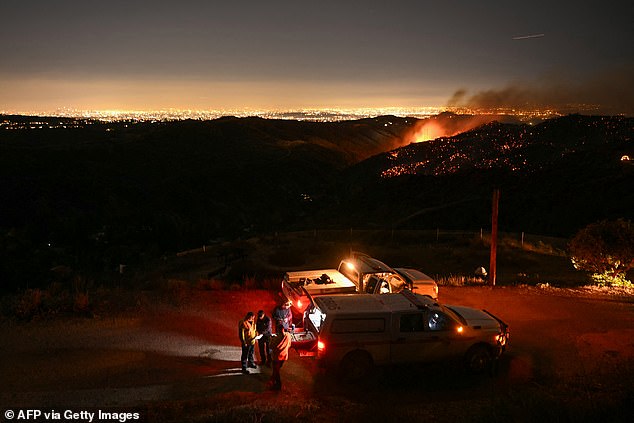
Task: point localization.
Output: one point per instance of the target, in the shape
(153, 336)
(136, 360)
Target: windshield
(389, 282)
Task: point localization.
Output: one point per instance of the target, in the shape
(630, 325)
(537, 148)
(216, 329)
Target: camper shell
(356, 332)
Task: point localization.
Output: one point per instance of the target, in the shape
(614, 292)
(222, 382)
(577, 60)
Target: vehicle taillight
(459, 329)
(501, 339)
(299, 303)
(321, 346)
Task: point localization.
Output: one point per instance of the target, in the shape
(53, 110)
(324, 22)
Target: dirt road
(571, 358)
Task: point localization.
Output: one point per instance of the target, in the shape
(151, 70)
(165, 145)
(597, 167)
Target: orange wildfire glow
(429, 130)
(446, 126)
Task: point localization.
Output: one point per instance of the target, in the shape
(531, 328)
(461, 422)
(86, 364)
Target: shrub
(459, 280)
(28, 304)
(81, 303)
(606, 249)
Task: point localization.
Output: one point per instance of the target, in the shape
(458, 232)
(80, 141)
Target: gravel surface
(571, 358)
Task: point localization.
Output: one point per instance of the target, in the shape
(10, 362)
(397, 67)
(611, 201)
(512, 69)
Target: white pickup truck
(352, 333)
(358, 273)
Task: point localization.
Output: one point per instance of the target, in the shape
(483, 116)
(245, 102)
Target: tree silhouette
(605, 248)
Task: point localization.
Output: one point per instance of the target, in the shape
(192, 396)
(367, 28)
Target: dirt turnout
(571, 359)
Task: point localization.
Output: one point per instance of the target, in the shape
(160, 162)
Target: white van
(356, 332)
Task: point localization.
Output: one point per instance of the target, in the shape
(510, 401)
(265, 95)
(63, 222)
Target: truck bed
(312, 281)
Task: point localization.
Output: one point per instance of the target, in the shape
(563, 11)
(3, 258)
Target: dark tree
(605, 248)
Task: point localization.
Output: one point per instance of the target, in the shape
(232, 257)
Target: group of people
(273, 347)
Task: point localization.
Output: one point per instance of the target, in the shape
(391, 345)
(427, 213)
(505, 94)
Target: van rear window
(358, 326)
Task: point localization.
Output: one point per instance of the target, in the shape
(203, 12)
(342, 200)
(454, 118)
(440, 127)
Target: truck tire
(478, 360)
(355, 366)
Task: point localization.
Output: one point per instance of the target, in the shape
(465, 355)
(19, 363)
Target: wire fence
(425, 236)
(401, 237)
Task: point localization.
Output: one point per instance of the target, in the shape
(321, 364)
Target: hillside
(555, 177)
(95, 194)
(91, 195)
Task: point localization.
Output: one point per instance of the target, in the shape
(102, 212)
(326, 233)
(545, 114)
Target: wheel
(478, 359)
(355, 366)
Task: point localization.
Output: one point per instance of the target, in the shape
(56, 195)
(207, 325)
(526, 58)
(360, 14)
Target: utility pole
(494, 236)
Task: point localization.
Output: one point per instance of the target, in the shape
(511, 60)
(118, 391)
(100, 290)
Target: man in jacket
(263, 328)
(280, 345)
(247, 333)
(284, 314)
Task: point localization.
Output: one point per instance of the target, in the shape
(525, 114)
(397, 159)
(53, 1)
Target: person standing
(284, 314)
(263, 328)
(279, 346)
(247, 333)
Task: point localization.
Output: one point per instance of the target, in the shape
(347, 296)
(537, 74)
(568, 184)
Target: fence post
(494, 235)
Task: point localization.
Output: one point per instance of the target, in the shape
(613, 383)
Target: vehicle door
(416, 340)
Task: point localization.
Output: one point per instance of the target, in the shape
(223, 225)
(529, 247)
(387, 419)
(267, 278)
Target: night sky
(279, 54)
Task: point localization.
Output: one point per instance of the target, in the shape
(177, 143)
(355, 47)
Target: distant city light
(316, 115)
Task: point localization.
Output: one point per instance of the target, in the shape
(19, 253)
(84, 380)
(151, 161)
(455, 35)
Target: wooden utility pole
(494, 236)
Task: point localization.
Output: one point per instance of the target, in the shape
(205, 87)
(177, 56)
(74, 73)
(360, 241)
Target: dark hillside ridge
(93, 195)
(97, 194)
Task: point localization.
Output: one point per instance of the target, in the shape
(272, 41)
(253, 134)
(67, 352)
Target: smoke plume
(608, 92)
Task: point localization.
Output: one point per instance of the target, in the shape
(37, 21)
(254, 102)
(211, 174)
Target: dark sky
(148, 55)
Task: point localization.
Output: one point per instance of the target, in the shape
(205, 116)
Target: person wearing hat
(283, 312)
(263, 327)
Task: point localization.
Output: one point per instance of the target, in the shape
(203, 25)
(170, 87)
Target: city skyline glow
(285, 55)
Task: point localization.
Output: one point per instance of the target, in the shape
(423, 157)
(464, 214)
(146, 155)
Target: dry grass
(450, 257)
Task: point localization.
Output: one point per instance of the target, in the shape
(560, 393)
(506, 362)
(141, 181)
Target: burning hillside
(449, 124)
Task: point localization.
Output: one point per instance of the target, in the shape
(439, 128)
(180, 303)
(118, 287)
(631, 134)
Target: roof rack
(414, 299)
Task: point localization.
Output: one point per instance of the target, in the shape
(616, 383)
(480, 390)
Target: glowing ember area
(505, 146)
(399, 170)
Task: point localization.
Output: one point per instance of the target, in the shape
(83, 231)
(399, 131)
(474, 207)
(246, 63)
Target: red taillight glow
(501, 339)
(299, 303)
(321, 346)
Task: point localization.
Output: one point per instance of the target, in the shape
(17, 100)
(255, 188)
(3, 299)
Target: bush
(606, 249)
(28, 304)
